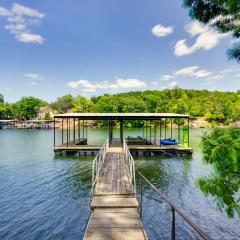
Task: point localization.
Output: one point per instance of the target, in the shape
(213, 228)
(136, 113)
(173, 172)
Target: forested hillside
(216, 107)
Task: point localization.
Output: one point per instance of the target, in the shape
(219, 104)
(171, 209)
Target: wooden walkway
(115, 209)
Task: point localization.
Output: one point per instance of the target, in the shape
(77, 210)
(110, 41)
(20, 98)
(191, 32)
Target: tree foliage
(221, 149)
(63, 104)
(81, 104)
(27, 107)
(216, 107)
(221, 14)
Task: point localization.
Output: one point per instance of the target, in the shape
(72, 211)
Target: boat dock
(74, 132)
(115, 209)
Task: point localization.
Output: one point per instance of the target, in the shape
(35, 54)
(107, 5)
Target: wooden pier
(115, 209)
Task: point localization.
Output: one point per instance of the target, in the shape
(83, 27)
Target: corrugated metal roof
(121, 115)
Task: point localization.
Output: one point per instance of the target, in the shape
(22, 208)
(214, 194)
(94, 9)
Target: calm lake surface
(43, 196)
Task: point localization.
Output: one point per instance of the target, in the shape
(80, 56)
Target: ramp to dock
(115, 209)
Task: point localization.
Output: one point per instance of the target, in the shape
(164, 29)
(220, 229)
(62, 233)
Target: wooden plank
(115, 233)
(109, 201)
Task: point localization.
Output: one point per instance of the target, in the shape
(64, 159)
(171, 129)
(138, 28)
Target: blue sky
(51, 48)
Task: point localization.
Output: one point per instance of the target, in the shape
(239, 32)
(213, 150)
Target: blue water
(46, 197)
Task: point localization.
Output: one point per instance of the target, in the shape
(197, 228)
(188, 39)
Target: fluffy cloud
(19, 20)
(161, 31)
(33, 76)
(30, 38)
(192, 71)
(87, 86)
(167, 77)
(206, 38)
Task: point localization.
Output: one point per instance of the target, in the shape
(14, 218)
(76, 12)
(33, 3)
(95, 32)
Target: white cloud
(192, 71)
(22, 10)
(19, 20)
(167, 77)
(173, 84)
(29, 38)
(207, 38)
(87, 86)
(4, 12)
(33, 76)
(161, 31)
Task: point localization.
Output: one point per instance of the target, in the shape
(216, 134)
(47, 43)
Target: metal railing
(130, 163)
(173, 210)
(98, 162)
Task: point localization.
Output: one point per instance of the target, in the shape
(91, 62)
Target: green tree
(221, 14)
(27, 107)
(63, 104)
(221, 149)
(81, 104)
(1, 99)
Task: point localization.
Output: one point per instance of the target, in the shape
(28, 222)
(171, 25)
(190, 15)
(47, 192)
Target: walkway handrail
(130, 162)
(98, 162)
(173, 210)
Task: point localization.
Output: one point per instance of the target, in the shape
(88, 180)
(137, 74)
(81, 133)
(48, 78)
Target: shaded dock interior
(155, 126)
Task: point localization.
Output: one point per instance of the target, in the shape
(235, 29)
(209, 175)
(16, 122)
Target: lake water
(43, 196)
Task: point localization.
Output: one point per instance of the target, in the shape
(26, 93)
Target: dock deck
(115, 209)
(75, 147)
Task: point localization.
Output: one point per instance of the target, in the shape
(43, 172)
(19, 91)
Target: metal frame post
(171, 128)
(165, 126)
(79, 129)
(67, 132)
(188, 133)
(62, 132)
(160, 130)
(141, 196)
(54, 138)
(74, 130)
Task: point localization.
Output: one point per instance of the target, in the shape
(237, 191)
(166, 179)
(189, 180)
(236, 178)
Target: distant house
(45, 112)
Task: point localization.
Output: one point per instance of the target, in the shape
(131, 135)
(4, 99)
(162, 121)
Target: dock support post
(171, 128)
(54, 140)
(150, 131)
(179, 130)
(121, 130)
(79, 129)
(155, 133)
(141, 196)
(165, 126)
(188, 133)
(67, 132)
(62, 132)
(173, 223)
(74, 130)
(160, 131)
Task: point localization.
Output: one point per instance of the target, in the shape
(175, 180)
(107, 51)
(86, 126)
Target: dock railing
(98, 162)
(173, 210)
(130, 162)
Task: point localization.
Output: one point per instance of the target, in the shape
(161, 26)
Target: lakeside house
(44, 112)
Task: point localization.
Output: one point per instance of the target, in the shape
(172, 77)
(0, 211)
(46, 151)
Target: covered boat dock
(156, 127)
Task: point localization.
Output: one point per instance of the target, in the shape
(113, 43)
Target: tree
(27, 107)
(81, 104)
(1, 99)
(221, 149)
(63, 104)
(221, 14)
